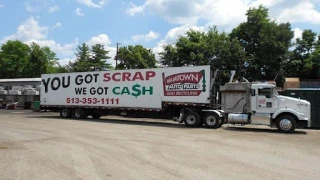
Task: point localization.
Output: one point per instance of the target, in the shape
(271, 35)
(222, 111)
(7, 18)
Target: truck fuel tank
(239, 118)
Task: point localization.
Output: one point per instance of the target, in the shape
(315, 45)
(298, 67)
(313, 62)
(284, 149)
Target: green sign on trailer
(313, 96)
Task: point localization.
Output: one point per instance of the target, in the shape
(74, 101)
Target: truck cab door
(265, 102)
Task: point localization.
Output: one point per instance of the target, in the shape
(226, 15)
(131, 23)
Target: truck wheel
(212, 120)
(191, 119)
(286, 123)
(79, 113)
(96, 115)
(65, 113)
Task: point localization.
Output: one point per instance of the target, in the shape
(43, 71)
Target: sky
(65, 24)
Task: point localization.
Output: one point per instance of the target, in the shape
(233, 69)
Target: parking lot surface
(45, 146)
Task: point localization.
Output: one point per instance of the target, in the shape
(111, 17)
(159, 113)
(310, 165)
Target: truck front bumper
(309, 123)
(304, 118)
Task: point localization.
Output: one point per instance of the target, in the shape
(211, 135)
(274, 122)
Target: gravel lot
(44, 146)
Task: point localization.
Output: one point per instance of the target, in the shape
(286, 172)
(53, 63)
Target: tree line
(259, 49)
(20, 60)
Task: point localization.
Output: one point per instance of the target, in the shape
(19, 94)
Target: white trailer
(186, 94)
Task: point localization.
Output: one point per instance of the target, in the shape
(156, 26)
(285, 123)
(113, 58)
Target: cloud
(226, 14)
(304, 11)
(174, 33)
(297, 33)
(267, 3)
(57, 25)
(40, 5)
(146, 37)
(30, 31)
(221, 12)
(79, 12)
(62, 50)
(53, 9)
(100, 39)
(134, 9)
(90, 3)
(30, 8)
(172, 36)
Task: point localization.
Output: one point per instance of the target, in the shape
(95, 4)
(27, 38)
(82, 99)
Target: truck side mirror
(253, 92)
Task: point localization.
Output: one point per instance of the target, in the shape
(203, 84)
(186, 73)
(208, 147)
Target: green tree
(191, 48)
(41, 61)
(312, 66)
(51, 61)
(98, 60)
(82, 61)
(203, 48)
(61, 69)
(265, 42)
(224, 52)
(90, 59)
(38, 62)
(136, 57)
(169, 56)
(70, 67)
(14, 56)
(299, 64)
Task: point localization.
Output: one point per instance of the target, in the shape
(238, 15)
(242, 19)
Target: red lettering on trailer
(150, 74)
(137, 76)
(128, 76)
(114, 77)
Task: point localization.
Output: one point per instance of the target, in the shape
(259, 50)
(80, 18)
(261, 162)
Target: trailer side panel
(140, 88)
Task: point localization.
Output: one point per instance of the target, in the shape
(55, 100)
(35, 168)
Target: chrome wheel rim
(191, 119)
(64, 113)
(211, 120)
(285, 124)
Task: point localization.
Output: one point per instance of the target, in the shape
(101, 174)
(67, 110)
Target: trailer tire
(65, 113)
(212, 120)
(191, 119)
(79, 113)
(286, 123)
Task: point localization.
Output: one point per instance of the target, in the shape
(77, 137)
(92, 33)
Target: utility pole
(116, 58)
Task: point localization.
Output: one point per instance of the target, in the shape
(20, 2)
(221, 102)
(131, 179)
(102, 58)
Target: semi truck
(192, 95)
